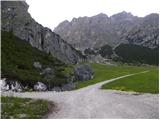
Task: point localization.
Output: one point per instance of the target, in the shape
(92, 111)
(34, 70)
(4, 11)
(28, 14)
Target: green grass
(145, 83)
(23, 108)
(104, 72)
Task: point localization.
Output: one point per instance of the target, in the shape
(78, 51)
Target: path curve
(92, 102)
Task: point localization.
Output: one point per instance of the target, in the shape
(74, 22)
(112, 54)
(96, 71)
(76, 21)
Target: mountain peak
(122, 16)
(100, 16)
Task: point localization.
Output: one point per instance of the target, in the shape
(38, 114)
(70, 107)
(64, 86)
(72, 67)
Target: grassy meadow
(145, 83)
(105, 72)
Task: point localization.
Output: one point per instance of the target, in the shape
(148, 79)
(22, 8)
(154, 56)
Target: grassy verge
(145, 83)
(23, 108)
(104, 72)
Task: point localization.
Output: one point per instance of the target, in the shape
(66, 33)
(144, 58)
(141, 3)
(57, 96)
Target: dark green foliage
(106, 51)
(18, 57)
(89, 51)
(137, 54)
(24, 108)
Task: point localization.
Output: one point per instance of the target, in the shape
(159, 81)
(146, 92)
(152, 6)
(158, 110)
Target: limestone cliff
(15, 18)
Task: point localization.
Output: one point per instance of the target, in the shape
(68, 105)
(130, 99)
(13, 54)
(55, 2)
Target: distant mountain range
(99, 30)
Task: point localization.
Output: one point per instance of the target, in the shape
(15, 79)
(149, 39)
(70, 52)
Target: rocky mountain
(146, 33)
(99, 30)
(15, 18)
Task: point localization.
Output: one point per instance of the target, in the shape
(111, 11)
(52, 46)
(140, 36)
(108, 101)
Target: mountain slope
(15, 18)
(94, 32)
(18, 58)
(146, 33)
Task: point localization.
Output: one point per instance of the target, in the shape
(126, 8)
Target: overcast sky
(50, 13)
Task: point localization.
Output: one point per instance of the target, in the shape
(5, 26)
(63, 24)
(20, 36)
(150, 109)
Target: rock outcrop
(94, 32)
(10, 85)
(83, 72)
(15, 18)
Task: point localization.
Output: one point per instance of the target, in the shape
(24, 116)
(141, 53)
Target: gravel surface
(92, 102)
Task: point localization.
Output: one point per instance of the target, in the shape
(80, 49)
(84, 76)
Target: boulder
(15, 86)
(39, 86)
(37, 65)
(10, 85)
(83, 72)
(3, 85)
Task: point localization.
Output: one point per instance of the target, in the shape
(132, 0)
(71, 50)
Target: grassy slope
(146, 82)
(20, 108)
(18, 57)
(103, 72)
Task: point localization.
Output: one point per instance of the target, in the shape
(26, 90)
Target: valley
(90, 67)
(91, 102)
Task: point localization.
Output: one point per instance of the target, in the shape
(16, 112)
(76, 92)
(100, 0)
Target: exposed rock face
(83, 72)
(146, 33)
(94, 32)
(15, 18)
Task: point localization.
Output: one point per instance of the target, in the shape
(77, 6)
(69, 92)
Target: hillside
(18, 59)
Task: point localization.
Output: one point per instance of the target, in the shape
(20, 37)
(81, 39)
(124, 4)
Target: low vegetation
(106, 51)
(129, 53)
(24, 108)
(105, 72)
(145, 83)
(89, 51)
(18, 57)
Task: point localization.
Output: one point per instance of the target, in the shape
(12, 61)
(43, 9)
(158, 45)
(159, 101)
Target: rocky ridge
(15, 18)
(96, 31)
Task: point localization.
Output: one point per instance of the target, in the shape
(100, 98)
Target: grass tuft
(23, 108)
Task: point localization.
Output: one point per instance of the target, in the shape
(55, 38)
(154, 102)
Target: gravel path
(92, 102)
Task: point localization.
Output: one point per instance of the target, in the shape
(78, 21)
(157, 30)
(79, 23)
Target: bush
(106, 51)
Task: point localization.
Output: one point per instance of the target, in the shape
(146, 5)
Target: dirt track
(92, 102)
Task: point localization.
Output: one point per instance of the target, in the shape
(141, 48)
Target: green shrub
(106, 51)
